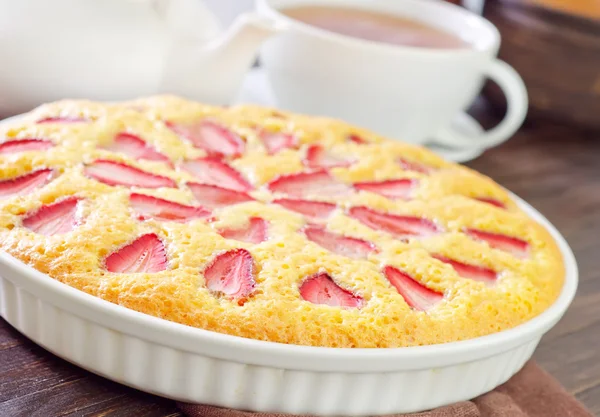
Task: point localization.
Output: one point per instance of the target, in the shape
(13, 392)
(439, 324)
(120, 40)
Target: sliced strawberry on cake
(392, 189)
(357, 139)
(26, 183)
(342, 245)
(512, 245)
(63, 119)
(134, 147)
(277, 141)
(409, 165)
(256, 231)
(414, 293)
(25, 145)
(400, 226)
(474, 272)
(216, 172)
(231, 273)
(54, 219)
(319, 157)
(492, 201)
(212, 137)
(314, 210)
(116, 173)
(306, 184)
(146, 207)
(213, 196)
(321, 289)
(146, 254)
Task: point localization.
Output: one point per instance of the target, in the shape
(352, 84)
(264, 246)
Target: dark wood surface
(556, 53)
(556, 168)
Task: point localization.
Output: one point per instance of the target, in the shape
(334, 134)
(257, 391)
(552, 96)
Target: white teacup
(409, 93)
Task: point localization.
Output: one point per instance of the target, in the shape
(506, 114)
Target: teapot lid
(187, 19)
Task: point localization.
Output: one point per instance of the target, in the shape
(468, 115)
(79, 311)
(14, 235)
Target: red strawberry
(342, 245)
(26, 183)
(413, 166)
(278, 141)
(53, 219)
(146, 254)
(513, 245)
(213, 171)
(215, 197)
(314, 210)
(402, 227)
(492, 201)
(116, 173)
(474, 272)
(134, 147)
(414, 293)
(393, 189)
(61, 119)
(319, 157)
(321, 289)
(210, 136)
(359, 140)
(306, 184)
(151, 207)
(25, 145)
(231, 273)
(255, 232)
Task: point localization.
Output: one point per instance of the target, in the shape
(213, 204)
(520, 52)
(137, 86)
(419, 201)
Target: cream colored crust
(276, 312)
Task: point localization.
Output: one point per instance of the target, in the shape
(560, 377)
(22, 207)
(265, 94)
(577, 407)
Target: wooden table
(556, 168)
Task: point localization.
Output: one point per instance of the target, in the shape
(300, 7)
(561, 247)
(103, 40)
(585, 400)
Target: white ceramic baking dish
(194, 365)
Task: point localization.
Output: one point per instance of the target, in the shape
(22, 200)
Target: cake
(268, 225)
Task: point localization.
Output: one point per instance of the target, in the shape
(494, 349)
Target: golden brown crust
(275, 311)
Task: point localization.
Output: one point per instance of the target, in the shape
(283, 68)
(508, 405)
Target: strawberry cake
(268, 225)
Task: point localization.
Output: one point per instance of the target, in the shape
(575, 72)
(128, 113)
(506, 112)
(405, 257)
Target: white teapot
(121, 49)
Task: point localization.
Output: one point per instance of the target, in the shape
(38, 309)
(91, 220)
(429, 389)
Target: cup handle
(514, 89)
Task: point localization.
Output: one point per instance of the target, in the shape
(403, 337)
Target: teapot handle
(476, 6)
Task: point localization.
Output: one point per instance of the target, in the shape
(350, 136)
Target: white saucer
(256, 90)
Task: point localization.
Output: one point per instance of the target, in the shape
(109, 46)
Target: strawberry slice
(134, 147)
(278, 141)
(53, 219)
(474, 272)
(401, 188)
(26, 183)
(115, 173)
(414, 293)
(213, 196)
(231, 273)
(318, 157)
(321, 289)
(306, 184)
(402, 227)
(342, 245)
(146, 254)
(314, 210)
(512, 245)
(24, 145)
(61, 119)
(215, 172)
(147, 207)
(213, 138)
(255, 232)
(492, 201)
(359, 140)
(407, 165)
